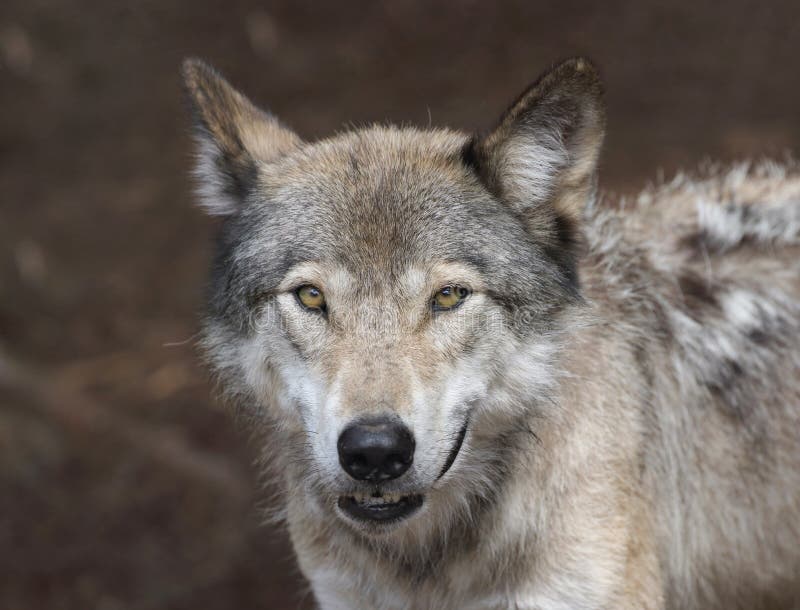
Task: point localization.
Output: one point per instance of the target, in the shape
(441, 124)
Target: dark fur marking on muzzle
(451, 458)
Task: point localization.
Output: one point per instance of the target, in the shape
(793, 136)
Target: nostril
(376, 450)
(358, 461)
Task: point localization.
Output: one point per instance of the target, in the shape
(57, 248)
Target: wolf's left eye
(311, 297)
(449, 297)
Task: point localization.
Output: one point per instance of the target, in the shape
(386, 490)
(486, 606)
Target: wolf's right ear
(233, 138)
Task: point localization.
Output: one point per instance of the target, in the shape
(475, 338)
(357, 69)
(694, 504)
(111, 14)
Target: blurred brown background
(122, 483)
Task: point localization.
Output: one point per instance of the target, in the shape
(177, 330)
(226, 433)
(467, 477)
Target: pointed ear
(233, 138)
(542, 156)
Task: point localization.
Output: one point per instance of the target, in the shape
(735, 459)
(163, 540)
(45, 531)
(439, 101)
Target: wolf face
(368, 288)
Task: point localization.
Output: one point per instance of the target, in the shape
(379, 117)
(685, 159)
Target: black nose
(376, 451)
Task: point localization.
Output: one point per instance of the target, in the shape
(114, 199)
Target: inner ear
(233, 137)
(541, 158)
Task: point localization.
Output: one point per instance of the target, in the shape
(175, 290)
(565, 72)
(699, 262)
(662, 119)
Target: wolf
(486, 384)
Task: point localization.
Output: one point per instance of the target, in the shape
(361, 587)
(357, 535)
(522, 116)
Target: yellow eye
(449, 297)
(311, 297)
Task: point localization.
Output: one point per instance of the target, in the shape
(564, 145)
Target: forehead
(363, 162)
(384, 198)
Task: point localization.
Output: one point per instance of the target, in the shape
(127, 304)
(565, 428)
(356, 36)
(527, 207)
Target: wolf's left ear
(541, 158)
(233, 137)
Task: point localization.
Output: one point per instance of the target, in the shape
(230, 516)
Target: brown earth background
(123, 484)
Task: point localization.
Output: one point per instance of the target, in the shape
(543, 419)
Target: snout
(376, 450)
(373, 452)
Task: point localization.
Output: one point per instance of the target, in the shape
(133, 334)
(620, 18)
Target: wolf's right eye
(449, 297)
(310, 297)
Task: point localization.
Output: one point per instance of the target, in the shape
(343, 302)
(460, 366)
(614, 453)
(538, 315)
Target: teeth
(386, 498)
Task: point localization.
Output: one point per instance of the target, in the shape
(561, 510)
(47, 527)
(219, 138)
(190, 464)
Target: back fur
(702, 276)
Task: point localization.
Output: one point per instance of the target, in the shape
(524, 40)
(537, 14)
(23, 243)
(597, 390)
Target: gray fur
(628, 374)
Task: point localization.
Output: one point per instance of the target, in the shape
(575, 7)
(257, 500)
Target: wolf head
(390, 299)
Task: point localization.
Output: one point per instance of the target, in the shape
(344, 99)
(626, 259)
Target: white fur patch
(726, 226)
(531, 164)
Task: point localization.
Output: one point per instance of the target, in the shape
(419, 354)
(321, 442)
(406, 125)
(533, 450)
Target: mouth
(377, 508)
